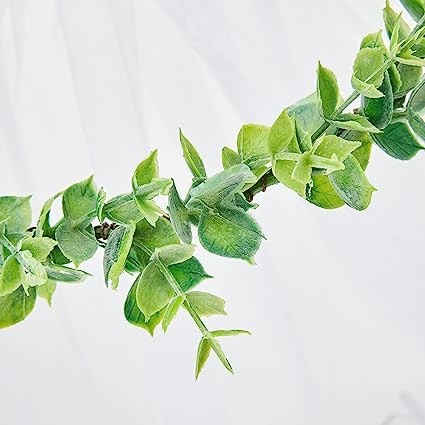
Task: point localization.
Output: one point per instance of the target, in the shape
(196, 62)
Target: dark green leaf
(189, 273)
(416, 8)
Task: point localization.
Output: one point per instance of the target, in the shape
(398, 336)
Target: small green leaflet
(281, 133)
(307, 113)
(192, 158)
(43, 223)
(153, 291)
(17, 210)
(204, 350)
(134, 316)
(116, 252)
(40, 247)
(171, 311)
(173, 254)
(417, 99)
(392, 21)
(327, 90)
(206, 304)
(253, 145)
(36, 274)
(79, 201)
(398, 141)
(229, 332)
(229, 158)
(122, 209)
(410, 77)
(229, 232)
(12, 276)
(46, 291)
(100, 203)
(179, 215)
(354, 122)
(322, 193)
(366, 71)
(416, 123)
(16, 306)
(379, 111)
(65, 274)
(351, 185)
(76, 243)
(189, 273)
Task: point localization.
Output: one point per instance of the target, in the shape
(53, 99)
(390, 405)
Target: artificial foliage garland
(315, 147)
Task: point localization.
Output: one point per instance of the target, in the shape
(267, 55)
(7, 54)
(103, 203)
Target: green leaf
(395, 79)
(79, 201)
(40, 247)
(330, 145)
(351, 185)
(189, 273)
(281, 133)
(410, 77)
(355, 122)
(391, 17)
(179, 215)
(46, 291)
(327, 90)
(253, 145)
(229, 158)
(362, 153)
(65, 274)
(173, 254)
(116, 252)
(206, 304)
(171, 311)
(417, 99)
(307, 113)
(122, 209)
(12, 276)
(43, 223)
(229, 232)
(229, 332)
(192, 158)
(16, 306)
(153, 291)
(322, 193)
(380, 111)
(147, 170)
(366, 75)
(221, 188)
(17, 210)
(134, 316)
(416, 8)
(100, 203)
(36, 274)
(76, 243)
(283, 170)
(204, 350)
(416, 123)
(398, 141)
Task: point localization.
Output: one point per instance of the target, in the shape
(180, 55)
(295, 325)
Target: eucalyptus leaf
(16, 306)
(12, 276)
(171, 311)
(229, 332)
(327, 90)
(122, 209)
(229, 158)
(322, 193)
(17, 211)
(173, 254)
(354, 122)
(65, 274)
(307, 113)
(189, 273)
(40, 247)
(192, 157)
(417, 99)
(179, 215)
(206, 304)
(43, 222)
(204, 350)
(253, 145)
(46, 291)
(80, 200)
(281, 133)
(391, 17)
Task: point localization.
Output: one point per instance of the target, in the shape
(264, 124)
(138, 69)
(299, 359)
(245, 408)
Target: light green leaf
(373, 40)
(189, 273)
(410, 77)
(100, 203)
(391, 17)
(283, 170)
(322, 194)
(229, 232)
(366, 89)
(355, 122)
(229, 332)
(416, 8)
(173, 254)
(332, 145)
(171, 311)
(153, 291)
(416, 123)
(17, 210)
(40, 247)
(362, 153)
(46, 291)
(134, 316)
(281, 133)
(366, 70)
(147, 170)
(253, 145)
(179, 215)
(307, 113)
(221, 187)
(64, 274)
(229, 158)
(77, 244)
(206, 304)
(204, 350)
(122, 209)
(398, 141)
(80, 200)
(192, 158)
(327, 90)
(36, 274)
(43, 223)
(12, 276)
(16, 306)
(380, 111)
(116, 252)
(351, 185)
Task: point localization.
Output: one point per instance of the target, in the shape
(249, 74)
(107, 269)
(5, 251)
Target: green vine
(314, 147)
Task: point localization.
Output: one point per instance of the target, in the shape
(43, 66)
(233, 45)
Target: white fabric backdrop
(91, 86)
